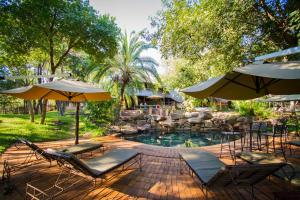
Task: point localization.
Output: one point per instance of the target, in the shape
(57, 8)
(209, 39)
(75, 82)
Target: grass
(56, 128)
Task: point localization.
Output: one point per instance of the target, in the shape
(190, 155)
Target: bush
(101, 113)
(253, 108)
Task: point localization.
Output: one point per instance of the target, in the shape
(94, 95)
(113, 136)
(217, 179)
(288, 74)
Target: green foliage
(101, 113)
(56, 27)
(188, 143)
(128, 70)
(213, 37)
(253, 108)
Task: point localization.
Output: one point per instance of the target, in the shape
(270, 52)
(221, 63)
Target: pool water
(179, 139)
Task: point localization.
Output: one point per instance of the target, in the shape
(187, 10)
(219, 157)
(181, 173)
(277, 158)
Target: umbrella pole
(77, 123)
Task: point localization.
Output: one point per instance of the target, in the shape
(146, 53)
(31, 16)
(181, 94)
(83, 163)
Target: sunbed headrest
(58, 153)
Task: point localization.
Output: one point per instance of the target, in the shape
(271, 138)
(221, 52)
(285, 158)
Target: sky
(132, 15)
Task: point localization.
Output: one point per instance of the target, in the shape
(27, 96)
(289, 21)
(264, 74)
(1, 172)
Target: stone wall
(136, 121)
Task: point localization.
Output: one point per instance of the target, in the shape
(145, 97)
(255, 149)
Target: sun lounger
(214, 174)
(95, 168)
(38, 153)
(290, 172)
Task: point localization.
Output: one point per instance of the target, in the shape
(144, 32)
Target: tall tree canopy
(215, 36)
(128, 70)
(56, 28)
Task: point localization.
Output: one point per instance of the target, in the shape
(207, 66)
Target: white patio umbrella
(62, 90)
(251, 81)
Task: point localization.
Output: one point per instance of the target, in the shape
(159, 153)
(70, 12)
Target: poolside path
(159, 179)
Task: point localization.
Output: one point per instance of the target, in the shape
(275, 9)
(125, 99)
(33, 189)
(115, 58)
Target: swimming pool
(179, 139)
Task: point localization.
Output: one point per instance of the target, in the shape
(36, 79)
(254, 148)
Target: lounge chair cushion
(110, 160)
(81, 148)
(294, 143)
(290, 172)
(205, 165)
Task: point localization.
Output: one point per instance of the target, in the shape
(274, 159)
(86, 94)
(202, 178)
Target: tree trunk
(31, 110)
(61, 107)
(44, 110)
(77, 124)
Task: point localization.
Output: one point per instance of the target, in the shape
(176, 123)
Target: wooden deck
(159, 179)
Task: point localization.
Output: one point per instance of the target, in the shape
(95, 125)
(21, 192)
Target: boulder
(127, 129)
(176, 116)
(208, 123)
(116, 129)
(231, 119)
(141, 122)
(191, 114)
(195, 120)
(205, 115)
(144, 127)
(243, 119)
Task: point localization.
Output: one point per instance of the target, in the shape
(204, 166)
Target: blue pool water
(178, 139)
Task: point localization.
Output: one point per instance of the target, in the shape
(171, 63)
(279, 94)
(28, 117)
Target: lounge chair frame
(236, 175)
(75, 171)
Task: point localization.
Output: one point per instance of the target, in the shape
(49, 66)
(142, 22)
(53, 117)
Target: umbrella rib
(45, 94)
(241, 84)
(263, 82)
(272, 81)
(75, 95)
(233, 80)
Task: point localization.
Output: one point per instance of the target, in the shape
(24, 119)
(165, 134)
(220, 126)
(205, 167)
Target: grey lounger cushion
(81, 148)
(205, 165)
(110, 160)
(97, 166)
(290, 172)
(294, 143)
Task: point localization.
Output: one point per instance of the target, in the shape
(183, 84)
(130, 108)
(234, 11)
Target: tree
(56, 27)
(128, 70)
(216, 36)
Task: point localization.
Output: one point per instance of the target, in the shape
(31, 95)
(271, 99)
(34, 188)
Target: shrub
(253, 108)
(101, 113)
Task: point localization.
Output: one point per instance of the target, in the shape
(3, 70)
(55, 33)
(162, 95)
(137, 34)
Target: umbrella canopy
(62, 90)
(251, 81)
(281, 98)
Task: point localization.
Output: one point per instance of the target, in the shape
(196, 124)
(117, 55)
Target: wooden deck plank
(160, 177)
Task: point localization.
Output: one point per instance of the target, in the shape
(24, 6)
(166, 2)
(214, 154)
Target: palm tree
(128, 70)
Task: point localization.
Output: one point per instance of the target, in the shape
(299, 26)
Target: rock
(205, 115)
(208, 123)
(167, 123)
(161, 118)
(141, 122)
(115, 129)
(195, 120)
(176, 116)
(127, 129)
(144, 127)
(242, 119)
(191, 114)
(231, 119)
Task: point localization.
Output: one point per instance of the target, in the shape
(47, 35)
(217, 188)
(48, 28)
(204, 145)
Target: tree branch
(70, 46)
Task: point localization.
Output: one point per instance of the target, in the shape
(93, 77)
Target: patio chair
(279, 131)
(214, 174)
(39, 154)
(290, 172)
(95, 168)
